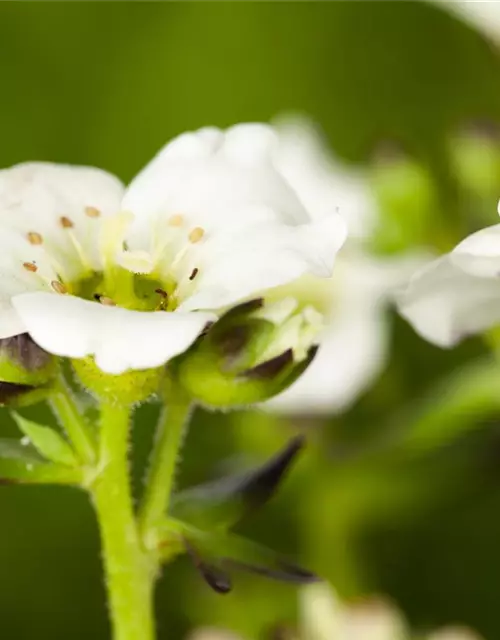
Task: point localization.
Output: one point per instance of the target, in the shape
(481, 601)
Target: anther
(58, 286)
(196, 234)
(92, 212)
(66, 223)
(34, 238)
(30, 266)
(176, 221)
(162, 293)
(194, 273)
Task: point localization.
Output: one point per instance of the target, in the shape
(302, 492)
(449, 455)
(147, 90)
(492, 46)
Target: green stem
(129, 572)
(161, 477)
(64, 407)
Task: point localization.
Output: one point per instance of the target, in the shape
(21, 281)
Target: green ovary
(140, 292)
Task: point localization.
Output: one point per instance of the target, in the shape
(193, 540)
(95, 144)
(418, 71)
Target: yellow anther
(176, 221)
(92, 212)
(66, 223)
(58, 286)
(30, 266)
(107, 301)
(34, 238)
(196, 234)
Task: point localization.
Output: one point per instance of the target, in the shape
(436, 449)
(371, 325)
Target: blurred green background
(107, 84)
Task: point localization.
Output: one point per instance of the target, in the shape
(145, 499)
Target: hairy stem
(129, 572)
(160, 481)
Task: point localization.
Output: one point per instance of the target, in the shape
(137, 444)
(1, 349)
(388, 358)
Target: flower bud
(25, 370)
(252, 353)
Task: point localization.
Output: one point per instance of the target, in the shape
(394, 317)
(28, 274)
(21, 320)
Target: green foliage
(47, 441)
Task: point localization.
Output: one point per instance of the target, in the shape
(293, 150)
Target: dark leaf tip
(271, 368)
(11, 390)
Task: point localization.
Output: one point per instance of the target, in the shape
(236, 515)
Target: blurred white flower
(132, 276)
(354, 300)
(323, 616)
(454, 633)
(458, 294)
(482, 14)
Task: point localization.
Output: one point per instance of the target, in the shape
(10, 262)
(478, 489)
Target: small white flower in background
(457, 295)
(482, 14)
(132, 276)
(354, 343)
(323, 616)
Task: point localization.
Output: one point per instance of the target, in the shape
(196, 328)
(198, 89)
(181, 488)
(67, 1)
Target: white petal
(479, 253)
(354, 344)
(213, 178)
(445, 304)
(484, 15)
(35, 196)
(322, 183)
(265, 255)
(119, 339)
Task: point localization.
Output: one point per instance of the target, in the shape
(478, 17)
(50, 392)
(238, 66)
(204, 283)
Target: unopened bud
(252, 353)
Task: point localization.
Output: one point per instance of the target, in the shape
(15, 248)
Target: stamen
(66, 223)
(176, 221)
(104, 300)
(196, 234)
(162, 293)
(58, 286)
(34, 238)
(92, 212)
(30, 266)
(194, 273)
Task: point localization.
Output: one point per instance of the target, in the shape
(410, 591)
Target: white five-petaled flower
(354, 343)
(458, 294)
(132, 276)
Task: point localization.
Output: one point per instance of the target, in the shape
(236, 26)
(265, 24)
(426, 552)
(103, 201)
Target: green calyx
(123, 389)
(236, 362)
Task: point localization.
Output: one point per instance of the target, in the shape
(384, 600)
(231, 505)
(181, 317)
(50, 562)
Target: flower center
(154, 280)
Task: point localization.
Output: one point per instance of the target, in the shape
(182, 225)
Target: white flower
(325, 617)
(354, 343)
(458, 294)
(132, 276)
(482, 14)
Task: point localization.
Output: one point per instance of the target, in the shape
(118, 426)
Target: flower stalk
(170, 433)
(129, 574)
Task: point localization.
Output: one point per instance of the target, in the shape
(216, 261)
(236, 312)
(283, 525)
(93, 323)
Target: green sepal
(47, 442)
(225, 502)
(24, 363)
(125, 389)
(23, 464)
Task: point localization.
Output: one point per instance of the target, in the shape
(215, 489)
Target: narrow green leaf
(217, 554)
(15, 450)
(14, 471)
(47, 441)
